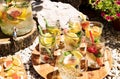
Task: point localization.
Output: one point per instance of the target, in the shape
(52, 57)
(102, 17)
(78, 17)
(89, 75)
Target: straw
(91, 36)
(46, 22)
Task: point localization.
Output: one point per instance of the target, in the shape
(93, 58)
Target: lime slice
(77, 54)
(47, 39)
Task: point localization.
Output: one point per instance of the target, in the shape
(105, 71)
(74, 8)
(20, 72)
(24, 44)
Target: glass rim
(98, 23)
(43, 35)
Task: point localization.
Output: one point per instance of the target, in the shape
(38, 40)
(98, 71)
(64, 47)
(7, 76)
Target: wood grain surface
(8, 45)
(49, 72)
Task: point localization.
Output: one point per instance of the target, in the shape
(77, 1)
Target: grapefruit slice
(8, 65)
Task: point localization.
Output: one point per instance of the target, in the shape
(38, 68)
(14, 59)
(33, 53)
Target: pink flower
(118, 14)
(118, 2)
(109, 18)
(102, 14)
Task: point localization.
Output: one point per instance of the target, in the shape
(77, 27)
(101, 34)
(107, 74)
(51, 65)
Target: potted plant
(110, 10)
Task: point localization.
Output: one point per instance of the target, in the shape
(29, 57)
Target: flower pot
(116, 24)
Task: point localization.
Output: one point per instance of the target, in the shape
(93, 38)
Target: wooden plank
(8, 46)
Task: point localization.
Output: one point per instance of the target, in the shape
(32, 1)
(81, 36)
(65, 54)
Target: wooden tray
(9, 46)
(49, 72)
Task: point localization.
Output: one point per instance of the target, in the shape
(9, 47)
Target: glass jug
(16, 15)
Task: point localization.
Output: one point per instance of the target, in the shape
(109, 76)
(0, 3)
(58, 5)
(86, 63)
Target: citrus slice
(85, 24)
(10, 72)
(16, 61)
(72, 39)
(54, 30)
(77, 54)
(96, 31)
(15, 76)
(8, 65)
(73, 35)
(23, 14)
(75, 28)
(47, 39)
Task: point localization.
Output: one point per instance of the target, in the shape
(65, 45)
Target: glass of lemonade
(69, 64)
(47, 47)
(74, 24)
(72, 40)
(54, 28)
(16, 14)
(95, 28)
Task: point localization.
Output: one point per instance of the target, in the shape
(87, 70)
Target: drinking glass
(98, 50)
(47, 47)
(74, 24)
(16, 14)
(54, 28)
(95, 28)
(72, 40)
(69, 65)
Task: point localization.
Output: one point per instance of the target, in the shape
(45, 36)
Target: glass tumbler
(95, 28)
(69, 65)
(71, 40)
(47, 47)
(74, 25)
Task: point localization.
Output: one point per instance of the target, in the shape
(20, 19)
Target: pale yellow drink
(95, 28)
(16, 14)
(71, 40)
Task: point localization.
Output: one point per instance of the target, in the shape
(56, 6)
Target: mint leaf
(67, 53)
(98, 55)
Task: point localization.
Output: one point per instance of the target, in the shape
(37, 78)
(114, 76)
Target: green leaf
(96, 40)
(79, 34)
(10, 17)
(98, 55)
(67, 53)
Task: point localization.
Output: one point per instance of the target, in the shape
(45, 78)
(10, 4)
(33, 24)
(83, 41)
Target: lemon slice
(23, 14)
(75, 28)
(96, 31)
(47, 39)
(77, 54)
(16, 61)
(10, 72)
(54, 30)
(72, 37)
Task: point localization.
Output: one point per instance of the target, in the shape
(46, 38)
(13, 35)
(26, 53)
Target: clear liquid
(16, 15)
